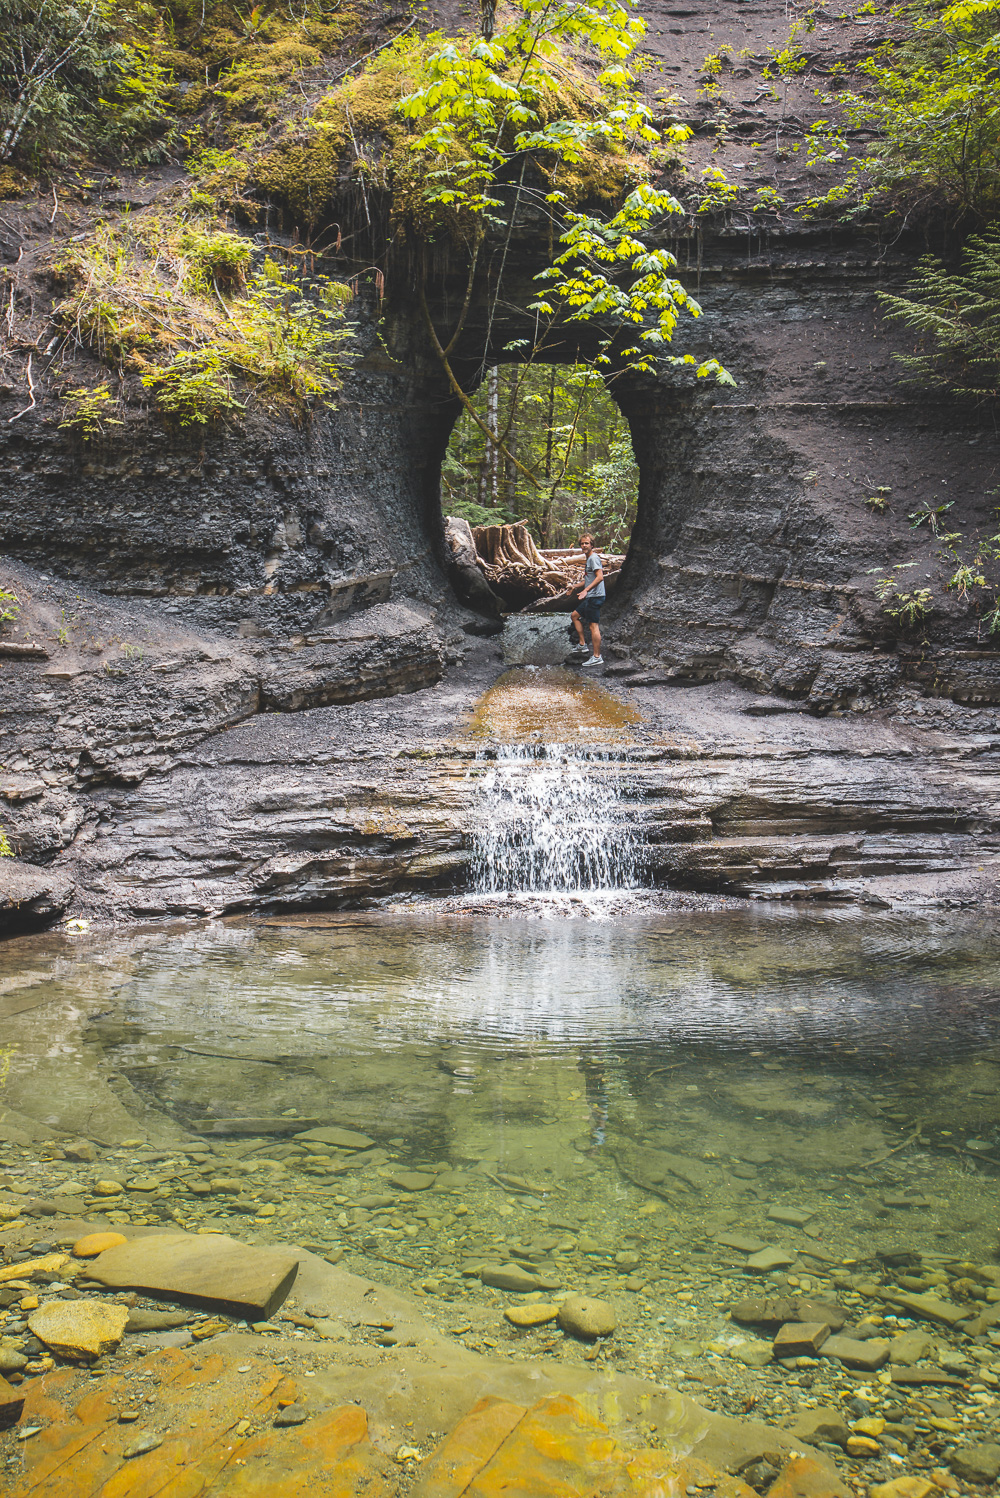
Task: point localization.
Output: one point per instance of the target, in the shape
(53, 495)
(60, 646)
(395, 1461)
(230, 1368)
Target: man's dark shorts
(589, 610)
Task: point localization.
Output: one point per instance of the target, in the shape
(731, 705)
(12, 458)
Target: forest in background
(562, 426)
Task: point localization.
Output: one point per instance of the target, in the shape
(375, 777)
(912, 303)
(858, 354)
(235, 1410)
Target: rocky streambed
(886, 1387)
(724, 1168)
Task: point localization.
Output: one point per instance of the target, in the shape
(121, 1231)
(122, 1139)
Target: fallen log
(565, 602)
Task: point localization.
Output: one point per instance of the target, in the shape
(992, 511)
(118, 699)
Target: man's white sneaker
(595, 660)
(579, 650)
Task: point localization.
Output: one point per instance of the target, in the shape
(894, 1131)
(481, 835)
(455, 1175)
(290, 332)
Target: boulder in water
(536, 640)
(583, 1317)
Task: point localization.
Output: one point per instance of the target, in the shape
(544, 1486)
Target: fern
(956, 318)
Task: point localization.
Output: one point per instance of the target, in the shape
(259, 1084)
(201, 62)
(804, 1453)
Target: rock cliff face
(183, 586)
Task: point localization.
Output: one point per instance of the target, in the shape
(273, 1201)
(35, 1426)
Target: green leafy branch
(10, 606)
(487, 108)
(930, 99)
(956, 320)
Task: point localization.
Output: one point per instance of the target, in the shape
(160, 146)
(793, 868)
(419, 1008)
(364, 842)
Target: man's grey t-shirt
(594, 564)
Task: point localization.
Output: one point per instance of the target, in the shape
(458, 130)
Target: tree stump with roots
(514, 567)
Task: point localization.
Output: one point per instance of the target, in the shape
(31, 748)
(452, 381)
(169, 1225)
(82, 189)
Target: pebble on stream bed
(671, 1291)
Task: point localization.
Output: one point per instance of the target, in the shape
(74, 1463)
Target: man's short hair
(586, 536)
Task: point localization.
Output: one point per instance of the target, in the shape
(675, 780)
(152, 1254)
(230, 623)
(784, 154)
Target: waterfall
(551, 819)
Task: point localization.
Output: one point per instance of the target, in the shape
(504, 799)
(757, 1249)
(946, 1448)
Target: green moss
(601, 177)
(182, 64)
(357, 132)
(303, 175)
(13, 184)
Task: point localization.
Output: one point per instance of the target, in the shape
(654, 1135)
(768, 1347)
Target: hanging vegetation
(183, 306)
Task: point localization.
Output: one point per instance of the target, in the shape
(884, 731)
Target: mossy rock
(13, 184)
(303, 175)
(182, 64)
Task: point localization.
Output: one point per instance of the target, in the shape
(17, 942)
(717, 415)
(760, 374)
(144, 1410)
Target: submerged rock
(904, 1487)
(795, 1217)
(539, 1314)
(412, 1180)
(93, 1244)
(820, 1424)
(210, 1268)
(800, 1339)
(910, 1347)
(980, 1463)
(140, 1320)
(752, 1354)
(508, 1277)
(46, 1264)
(345, 1139)
(869, 1354)
(81, 1329)
(588, 1319)
(759, 1310)
(770, 1258)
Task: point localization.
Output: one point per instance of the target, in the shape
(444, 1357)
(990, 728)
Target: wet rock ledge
(154, 769)
(331, 807)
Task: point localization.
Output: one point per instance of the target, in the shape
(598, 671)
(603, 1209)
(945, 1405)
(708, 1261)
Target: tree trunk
(511, 446)
(492, 449)
(545, 526)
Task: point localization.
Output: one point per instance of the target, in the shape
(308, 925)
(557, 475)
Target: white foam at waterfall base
(551, 819)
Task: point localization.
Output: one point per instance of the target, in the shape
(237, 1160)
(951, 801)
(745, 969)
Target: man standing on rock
(589, 604)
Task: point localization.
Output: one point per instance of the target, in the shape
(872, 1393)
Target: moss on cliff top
(356, 140)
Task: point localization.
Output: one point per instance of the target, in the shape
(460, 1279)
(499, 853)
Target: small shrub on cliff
(908, 608)
(10, 606)
(178, 303)
(90, 411)
(928, 96)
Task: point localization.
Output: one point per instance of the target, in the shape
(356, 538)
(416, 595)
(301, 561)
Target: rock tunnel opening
(543, 454)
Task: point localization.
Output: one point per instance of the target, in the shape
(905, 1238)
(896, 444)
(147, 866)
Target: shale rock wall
(180, 585)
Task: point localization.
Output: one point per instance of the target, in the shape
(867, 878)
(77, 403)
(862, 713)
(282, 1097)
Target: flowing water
(550, 819)
(549, 815)
(630, 1108)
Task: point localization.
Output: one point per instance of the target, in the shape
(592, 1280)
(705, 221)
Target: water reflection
(602, 1102)
(888, 989)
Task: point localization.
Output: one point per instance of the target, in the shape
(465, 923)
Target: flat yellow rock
(904, 1487)
(537, 1314)
(79, 1328)
(47, 1264)
(95, 1243)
